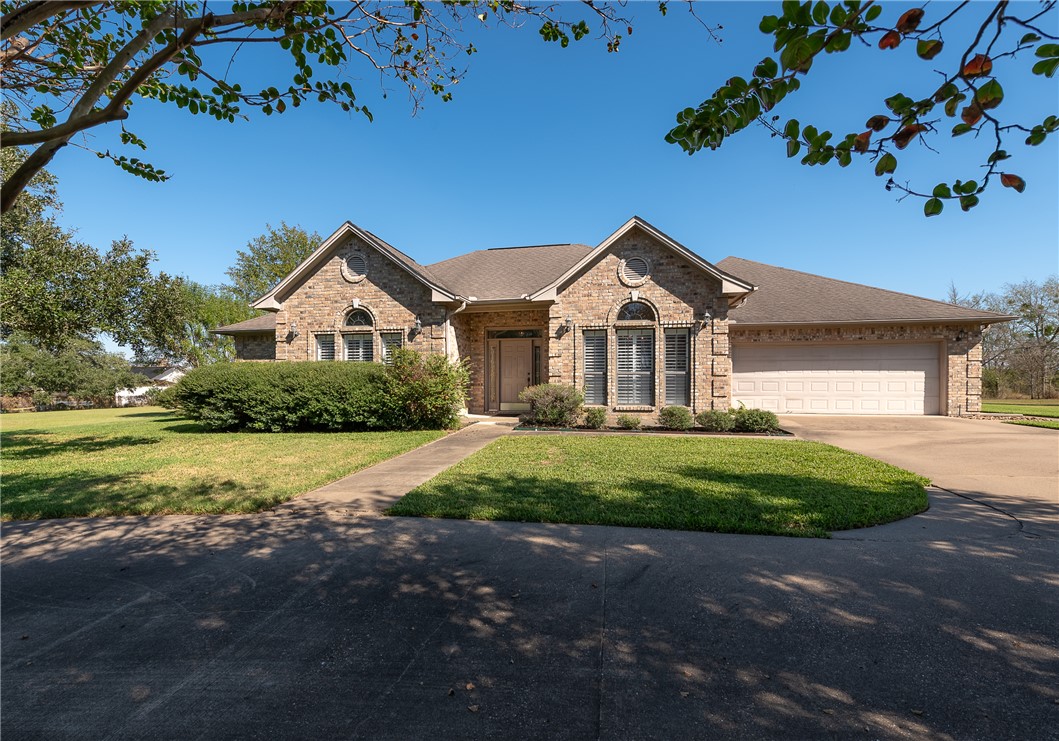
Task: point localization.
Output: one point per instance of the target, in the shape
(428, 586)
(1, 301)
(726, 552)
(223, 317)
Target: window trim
(595, 334)
(334, 349)
(636, 376)
(684, 374)
(365, 339)
(386, 349)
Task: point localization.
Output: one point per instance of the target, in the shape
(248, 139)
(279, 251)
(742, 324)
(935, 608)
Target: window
(325, 347)
(677, 388)
(595, 367)
(636, 366)
(636, 311)
(390, 341)
(359, 318)
(358, 347)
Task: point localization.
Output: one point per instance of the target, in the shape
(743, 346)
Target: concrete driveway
(1010, 467)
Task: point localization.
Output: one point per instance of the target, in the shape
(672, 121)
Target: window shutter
(636, 367)
(358, 347)
(595, 367)
(677, 367)
(325, 347)
(390, 341)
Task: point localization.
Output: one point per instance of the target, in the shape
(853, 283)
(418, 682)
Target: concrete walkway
(372, 490)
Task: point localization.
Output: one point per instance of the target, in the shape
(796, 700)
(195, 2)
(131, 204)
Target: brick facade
(961, 352)
(255, 347)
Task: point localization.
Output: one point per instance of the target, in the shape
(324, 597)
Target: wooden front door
(516, 372)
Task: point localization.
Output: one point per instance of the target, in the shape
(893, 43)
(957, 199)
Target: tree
(970, 88)
(1023, 353)
(268, 259)
(206, 308)
(88, 62)
(82, 369)
(56, 289)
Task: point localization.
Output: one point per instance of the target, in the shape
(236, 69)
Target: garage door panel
(838, 379)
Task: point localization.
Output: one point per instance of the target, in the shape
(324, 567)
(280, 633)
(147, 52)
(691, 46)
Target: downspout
(448, 322)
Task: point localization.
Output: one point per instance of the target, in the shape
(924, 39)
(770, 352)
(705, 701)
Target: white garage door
(837, 379)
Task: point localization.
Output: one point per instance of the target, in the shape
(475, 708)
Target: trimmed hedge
(755, 420)
(595, 418)
(716, 420)
(552, 405)
(414, 393)
(676, 418)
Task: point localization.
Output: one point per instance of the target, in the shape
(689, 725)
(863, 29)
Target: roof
(792, 297)
(507, 272)
(155, 372)
(258, 325)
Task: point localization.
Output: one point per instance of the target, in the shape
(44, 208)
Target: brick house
(637, 322)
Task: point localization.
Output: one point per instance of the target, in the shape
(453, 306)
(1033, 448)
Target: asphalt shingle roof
(792, 297)
(507, 272)
(258, 325)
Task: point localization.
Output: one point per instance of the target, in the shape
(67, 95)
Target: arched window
(359, 318)
(636, 311)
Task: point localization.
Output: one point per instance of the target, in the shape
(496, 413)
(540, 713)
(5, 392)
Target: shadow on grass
(754, 503)
(34, 444)
(42, 496)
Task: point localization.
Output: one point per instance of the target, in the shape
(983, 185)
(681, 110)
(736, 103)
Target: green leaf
(872, 13)
(791, 130)
(766, 68)
(989, 95)
(820, 13)
(793, 147)
(1046, 67)
(928, 49)
(1047, 50)
(968, 202)
(1029, 38)
(887, 164)
(838, 15)
(933, 207)
(769, 24)
(960, 129)
(998, 155)
(941, 190)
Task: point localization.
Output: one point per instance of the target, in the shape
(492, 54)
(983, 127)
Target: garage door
(837, 379)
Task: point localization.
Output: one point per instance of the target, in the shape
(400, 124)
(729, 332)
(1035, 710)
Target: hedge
(413, 393)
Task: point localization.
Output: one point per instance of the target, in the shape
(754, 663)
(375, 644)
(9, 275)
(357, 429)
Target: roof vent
(634, 271)
(355, 267)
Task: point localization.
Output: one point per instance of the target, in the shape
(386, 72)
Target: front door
(516, 373)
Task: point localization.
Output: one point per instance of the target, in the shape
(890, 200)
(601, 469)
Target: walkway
(372, 490)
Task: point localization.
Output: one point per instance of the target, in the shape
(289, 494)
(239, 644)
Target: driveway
(1010, 467)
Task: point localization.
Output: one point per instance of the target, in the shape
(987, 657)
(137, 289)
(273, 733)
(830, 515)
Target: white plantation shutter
(636, 365)
(390, 341)
(677, 367)
(595, 367)
(325, 347)
(358, 347)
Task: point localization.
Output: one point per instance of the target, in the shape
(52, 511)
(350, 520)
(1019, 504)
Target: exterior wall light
(293, 333)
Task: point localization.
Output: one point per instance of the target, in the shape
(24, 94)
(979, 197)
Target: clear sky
(543, 144)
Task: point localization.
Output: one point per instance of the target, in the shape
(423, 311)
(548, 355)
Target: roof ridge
(864, 285)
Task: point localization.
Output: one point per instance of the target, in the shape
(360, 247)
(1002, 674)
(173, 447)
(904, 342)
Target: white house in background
(160, 377)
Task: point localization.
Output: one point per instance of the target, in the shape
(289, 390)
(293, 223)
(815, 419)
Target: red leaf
(972, 114)
(890, 40)
(979, 65)
(904, 136)
(1012, 181)
(860, 144)
(909, 21)
(877, 123)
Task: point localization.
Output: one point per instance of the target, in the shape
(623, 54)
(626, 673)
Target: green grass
(1032, 407)
(1048, 424)
(775, 487)
(147, 461)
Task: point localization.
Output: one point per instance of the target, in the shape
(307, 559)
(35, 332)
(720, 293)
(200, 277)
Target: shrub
(755, 420)
(676, 418)
(425, 392)
(595, 417)
(552, 404)
(716, 420)
(284, 396)
(628, 421)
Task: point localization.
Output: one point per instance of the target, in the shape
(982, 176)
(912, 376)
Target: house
(159, 377)
(637, 322)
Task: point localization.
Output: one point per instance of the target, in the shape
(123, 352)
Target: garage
(838, 379)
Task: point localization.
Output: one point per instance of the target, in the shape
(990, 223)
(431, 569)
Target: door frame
(493, 370)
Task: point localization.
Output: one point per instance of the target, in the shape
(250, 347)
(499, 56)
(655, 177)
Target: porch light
(293, 334)
(417, 327)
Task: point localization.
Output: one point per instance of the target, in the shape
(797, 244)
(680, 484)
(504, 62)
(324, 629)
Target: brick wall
(255, 346)
(961, 352)
(320, 303)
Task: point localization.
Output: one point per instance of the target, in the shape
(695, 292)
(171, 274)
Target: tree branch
(30, 14)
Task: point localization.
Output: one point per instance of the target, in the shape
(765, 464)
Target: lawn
(1048, 424)
(775, 487)
(1032, 407)
(147, 461)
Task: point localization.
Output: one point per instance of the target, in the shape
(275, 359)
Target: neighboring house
(637, 322)
(159, 376)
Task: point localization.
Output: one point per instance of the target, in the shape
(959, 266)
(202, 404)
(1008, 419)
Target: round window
(354, 267)
(634, 271)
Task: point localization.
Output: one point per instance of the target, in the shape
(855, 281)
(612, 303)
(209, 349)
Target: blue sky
(543, 144)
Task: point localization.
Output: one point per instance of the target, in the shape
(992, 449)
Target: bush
(755, 420)
(676, 418)
(285, 396)
(716, 420)
(595, 417)
(628, 422)
(552, 405)
(425, 392)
